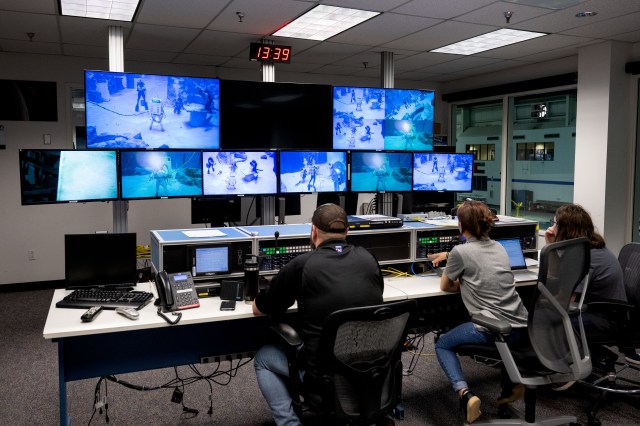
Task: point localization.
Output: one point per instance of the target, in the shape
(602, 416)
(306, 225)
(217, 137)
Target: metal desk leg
(65, 420)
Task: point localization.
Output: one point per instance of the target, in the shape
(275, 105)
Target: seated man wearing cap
(334, 276)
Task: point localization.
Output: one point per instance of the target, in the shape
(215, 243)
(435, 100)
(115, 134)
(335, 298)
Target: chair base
(519, 419)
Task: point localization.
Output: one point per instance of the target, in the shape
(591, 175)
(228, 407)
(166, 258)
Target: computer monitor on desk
(100, 260)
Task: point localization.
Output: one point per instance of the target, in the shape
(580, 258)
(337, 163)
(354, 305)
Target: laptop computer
(516, 260)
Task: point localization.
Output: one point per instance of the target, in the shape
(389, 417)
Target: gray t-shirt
(486, 282)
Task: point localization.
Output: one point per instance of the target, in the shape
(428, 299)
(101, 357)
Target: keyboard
(108, 299)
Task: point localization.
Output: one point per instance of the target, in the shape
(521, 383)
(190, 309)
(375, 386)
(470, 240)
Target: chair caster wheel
(592, 421)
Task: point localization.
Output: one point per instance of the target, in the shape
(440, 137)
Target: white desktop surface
(66, 322)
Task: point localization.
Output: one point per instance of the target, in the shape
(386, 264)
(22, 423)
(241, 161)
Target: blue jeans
(272, 373)
(465, 334)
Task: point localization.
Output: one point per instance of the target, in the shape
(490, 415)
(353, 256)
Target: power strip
(228, 357)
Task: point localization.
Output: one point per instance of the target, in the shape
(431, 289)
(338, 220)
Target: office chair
(553, 353)
(623, 333)
(358, 378)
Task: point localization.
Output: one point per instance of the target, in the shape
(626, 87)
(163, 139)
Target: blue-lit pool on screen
(87, 175)
(126, 110)
(380, 171)
(159, 174)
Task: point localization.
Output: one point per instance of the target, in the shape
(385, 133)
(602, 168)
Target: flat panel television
(382, 119)
(267, 115)
(160, 174)
(100, 259)
(442, 172)
(380, 171)
(240, 173)
(64, 176)
(125, 110)
(313, 171)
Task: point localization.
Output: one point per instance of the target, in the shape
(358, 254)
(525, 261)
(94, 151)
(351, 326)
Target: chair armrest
(574, 308)
(287, 334)
(613, 310)
(492, 324)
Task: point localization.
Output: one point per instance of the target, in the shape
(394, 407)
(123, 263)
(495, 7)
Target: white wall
(41, 228)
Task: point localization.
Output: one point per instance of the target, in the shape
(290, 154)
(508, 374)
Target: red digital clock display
(269, 53)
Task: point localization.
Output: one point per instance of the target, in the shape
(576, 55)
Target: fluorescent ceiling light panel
(492, 40)
(116, 10)
(323, 22)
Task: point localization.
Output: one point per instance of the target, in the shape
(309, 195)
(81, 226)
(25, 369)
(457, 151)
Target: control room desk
(113, 344)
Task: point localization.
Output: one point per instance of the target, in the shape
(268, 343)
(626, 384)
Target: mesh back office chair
(554, 352)
(359, 374)
(623, 333)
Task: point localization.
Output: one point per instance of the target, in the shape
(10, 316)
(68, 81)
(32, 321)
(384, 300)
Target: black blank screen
(100, 259)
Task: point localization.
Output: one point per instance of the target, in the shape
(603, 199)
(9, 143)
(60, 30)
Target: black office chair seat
(358, 377)
(554, 352)
(617, 378)
(524, 356)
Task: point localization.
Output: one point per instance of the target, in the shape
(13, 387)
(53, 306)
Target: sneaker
(470, 405)
(633, 358)
(517, 393)
(559, 387)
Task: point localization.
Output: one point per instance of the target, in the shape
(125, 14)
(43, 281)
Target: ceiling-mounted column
(268, 68)
(385, 201)
(268, 207)
(116, 63)
(386, 59)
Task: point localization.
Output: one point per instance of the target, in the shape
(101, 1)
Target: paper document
(201, 233)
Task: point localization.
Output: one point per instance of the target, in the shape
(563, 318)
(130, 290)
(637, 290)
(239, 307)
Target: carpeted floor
(29, 386)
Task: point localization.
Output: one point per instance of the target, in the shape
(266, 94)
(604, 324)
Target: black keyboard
(108, 299)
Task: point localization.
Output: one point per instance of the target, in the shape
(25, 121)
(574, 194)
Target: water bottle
(251, 278)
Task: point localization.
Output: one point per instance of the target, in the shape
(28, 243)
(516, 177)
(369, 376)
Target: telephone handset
(176, 291)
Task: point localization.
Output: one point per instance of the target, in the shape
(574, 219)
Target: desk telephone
(176, 291)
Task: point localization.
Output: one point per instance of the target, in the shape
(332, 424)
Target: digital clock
(269, 53)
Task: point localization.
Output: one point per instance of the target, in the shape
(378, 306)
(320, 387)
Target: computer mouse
(129, 313)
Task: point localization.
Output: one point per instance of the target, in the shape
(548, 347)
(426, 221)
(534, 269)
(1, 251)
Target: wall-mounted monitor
(380, 171)
(63, 176)
(216, 210)
(442, 172)
(382, 119)
(313, 171)
(125, 110)
(239, 172)
(160, 174)
(267, 115)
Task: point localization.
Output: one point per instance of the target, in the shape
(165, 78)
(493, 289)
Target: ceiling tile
(16, 25)
(183, 13)
(395, 26)
(494, 14)
(30, 47)
(260, 17)
(326, 53)
(460, 64)
(440, 35)
(148, 55)
(422, 60)
(187, 58)
(441, 9)
(77, 30)
(83, 50)
(605, 29)
(220, 43)
(155, 37)
(530, 47)
(372, 5)
(31, 6)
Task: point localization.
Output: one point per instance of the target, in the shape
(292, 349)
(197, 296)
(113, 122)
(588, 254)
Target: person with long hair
(479, 270)
(606, 280)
